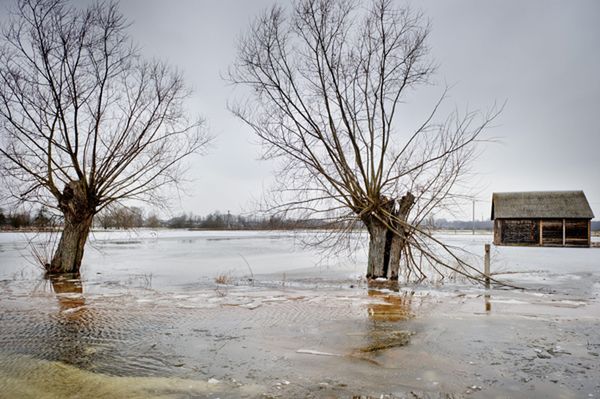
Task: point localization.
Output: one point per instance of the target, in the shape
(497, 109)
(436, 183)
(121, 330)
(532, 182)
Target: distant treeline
(443, 224)
(25, 219)
(133, 217)
(221, 221)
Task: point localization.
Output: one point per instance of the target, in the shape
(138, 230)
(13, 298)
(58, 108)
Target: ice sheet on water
(176, 258)
(508, 301)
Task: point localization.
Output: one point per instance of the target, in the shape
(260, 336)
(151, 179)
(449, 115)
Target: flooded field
(147, 319)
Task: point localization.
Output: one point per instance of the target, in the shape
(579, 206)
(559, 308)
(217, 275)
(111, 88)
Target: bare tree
(85, 121)
(121, 217)
(327, 84)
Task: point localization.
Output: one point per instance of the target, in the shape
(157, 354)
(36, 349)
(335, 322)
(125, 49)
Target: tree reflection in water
(69, 292)
(386, 316)
(396, 306)
(73, 322)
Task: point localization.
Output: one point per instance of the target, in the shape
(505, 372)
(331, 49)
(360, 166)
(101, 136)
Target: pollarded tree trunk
(78, 216)
(377, 249)
(397, 243)
(69, 253)
(386, 240)
(385, 247)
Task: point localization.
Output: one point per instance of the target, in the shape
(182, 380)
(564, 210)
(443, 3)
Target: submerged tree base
(380, 283)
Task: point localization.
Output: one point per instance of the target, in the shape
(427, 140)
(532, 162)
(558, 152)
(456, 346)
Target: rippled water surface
(147, 319)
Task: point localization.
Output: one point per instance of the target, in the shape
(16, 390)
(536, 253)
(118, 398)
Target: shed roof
(541, 204)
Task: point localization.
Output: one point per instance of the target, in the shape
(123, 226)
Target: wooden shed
(547, 218)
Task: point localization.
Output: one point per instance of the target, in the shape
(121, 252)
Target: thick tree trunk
(386, 240)
(377, 244)
(69, 253)
(397, 243)
(385, 247)
(78, 214)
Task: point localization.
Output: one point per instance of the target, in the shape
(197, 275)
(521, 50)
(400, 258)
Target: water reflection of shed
(548, 218)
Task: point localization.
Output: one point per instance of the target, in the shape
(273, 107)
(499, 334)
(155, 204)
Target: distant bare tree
(327, 85)
(85, 121)
(120, 217)
(152, 221)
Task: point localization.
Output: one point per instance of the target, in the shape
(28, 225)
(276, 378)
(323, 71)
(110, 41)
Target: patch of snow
(318, 353)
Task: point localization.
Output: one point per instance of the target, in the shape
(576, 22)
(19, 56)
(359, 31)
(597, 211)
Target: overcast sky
(541, 57)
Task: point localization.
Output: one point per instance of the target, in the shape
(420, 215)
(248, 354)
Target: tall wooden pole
(486, 265)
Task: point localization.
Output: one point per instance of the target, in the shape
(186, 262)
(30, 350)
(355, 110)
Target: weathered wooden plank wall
(576, 232)
(520, 231)
(552, 234)
(546, 232)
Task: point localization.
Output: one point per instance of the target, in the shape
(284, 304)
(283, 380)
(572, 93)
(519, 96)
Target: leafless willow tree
(328, 81)
(85, 121)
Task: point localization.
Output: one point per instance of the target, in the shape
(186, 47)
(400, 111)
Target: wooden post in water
(486, 265)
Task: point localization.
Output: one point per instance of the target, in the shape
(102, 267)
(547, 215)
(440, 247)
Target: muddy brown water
(130, 335)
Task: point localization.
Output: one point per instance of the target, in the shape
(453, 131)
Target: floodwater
(146, 319)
